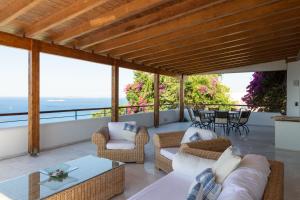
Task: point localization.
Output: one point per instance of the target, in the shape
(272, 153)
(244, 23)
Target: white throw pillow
(249, 179)
(190, 165)
(225, 165)
(257, 162)
(203, 133)
(117, 132)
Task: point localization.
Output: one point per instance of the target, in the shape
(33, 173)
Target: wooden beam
(156, 100)
(208, 52)
(15, 9)
(181, 98)
(194, 43)
(236, 56)
(239, 43)
(202, 69)
(247, 20)
(115, 93)
(162, 15)
(208, 57)
(107, 18)
(63, 15)
(34, 100)
(25, 43)
(276, 55)
(206, 16)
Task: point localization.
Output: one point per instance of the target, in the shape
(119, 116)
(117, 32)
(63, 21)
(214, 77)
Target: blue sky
(65, 77)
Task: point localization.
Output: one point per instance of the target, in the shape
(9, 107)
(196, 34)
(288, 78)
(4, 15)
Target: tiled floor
(260, 140)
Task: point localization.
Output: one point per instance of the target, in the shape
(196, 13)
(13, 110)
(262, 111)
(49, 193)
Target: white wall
(287, 135)
(262, 118)
(14, 141)
(293, 92)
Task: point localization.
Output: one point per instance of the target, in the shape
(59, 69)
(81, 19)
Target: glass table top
(39, 186)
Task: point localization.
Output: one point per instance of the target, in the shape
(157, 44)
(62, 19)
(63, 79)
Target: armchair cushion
(169, 152)
(122, 130)
(120, 144)
(201, 134)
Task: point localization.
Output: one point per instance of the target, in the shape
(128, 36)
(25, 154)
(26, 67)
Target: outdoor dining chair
(221, 119)
(241, 122)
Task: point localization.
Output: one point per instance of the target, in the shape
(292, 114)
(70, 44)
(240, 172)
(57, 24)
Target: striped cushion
(211, 189)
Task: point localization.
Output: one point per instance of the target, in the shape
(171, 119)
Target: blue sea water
(20, 104)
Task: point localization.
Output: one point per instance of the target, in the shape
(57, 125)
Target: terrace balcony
(172, 38)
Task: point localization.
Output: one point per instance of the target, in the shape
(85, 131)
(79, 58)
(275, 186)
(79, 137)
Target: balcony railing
(74, 114)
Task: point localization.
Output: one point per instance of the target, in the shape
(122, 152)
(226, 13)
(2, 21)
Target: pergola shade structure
(169, 37)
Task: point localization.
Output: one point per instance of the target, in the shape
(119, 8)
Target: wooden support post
(115, 93)
(34, 99)
(181, 98)
(156, 100)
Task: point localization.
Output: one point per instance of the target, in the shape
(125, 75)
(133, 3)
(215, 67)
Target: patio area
(138, 176)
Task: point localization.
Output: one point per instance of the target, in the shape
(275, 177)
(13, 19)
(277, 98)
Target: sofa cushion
(195, 191)
(234, 193)
(203, 134)
(250, 180)
(257, 162)
(173, 186)
(120, 144)
(251, 177)
(117, 132)
(190, 165)
(169, 152)
(225, 164)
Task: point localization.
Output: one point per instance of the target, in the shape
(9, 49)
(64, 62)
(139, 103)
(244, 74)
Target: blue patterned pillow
(195, 137)
(130, 127)
(209, 189)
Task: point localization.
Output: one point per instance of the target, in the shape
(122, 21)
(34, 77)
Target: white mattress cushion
(190, 165)
(169, 152)
(117, 132)
(173, 186)
(120, 144)
(226, 163)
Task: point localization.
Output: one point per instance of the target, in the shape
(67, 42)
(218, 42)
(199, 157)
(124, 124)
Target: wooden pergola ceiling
(163, 36)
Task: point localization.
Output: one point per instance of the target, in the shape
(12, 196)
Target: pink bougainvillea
(214, 82)
(203, 89)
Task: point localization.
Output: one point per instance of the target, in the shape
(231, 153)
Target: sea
(20, 104)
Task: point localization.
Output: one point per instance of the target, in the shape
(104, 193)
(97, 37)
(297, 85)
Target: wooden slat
(236, 56)
(202, 69)
(107, 18)
(15, 9)
(24, 43)
(181, 52)
(156, 100)
(115, 93)
(195, 42)
(203, 17)
(55, 19)
(162, 15)
(34, 100)
(181, 98)
(280, 53)
(224, 50)
(238, 22)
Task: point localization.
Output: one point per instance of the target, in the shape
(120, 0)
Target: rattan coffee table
(95, 178)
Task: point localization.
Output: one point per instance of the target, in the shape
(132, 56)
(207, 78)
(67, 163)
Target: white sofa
(176, 184)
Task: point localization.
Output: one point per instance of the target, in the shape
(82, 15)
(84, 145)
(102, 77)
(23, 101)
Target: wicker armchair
(101, 137)
(173, 139)
(275, 187)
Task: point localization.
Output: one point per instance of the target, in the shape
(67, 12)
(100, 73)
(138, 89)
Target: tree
(267, 91)
(199, 89)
